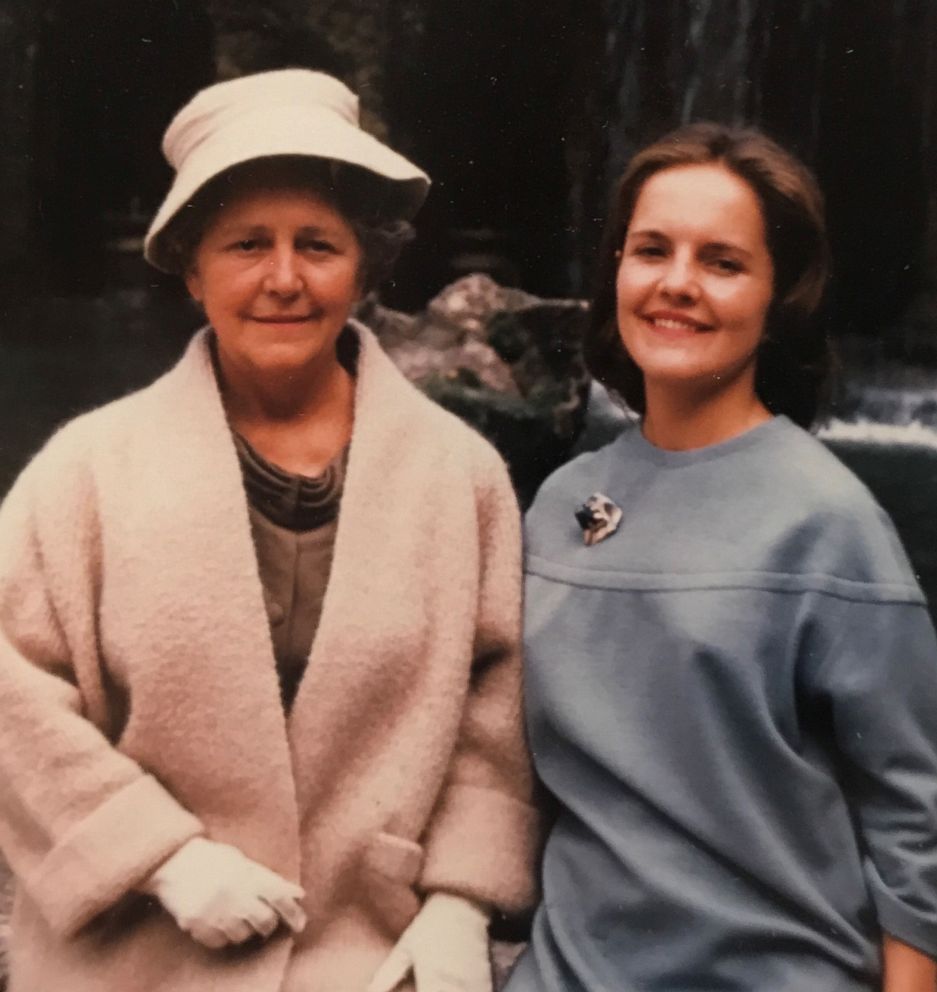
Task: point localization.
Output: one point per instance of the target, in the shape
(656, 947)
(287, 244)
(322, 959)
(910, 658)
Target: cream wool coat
(140, 704)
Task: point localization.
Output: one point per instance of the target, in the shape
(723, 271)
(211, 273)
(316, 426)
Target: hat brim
(285, 131)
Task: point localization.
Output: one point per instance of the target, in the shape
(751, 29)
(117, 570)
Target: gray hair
(361, 197)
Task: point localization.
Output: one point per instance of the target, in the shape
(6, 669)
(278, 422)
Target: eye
(727, 265)
(649, 251)
(245, 245)
(318, 246)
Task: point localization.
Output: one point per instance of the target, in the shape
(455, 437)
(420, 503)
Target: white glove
(219, 896)
(446, 947)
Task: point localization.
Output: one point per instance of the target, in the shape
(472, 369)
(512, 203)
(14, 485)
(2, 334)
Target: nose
(284, 274)
(678, 280)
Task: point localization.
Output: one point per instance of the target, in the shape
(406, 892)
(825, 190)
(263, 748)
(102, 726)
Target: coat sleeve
(80, 823)
(876, 671)
(482, 840)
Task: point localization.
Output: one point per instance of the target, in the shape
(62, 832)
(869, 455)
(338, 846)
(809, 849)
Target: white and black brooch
(598, 517)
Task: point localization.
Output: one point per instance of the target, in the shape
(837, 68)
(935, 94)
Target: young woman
(732, 681)
(259, 623)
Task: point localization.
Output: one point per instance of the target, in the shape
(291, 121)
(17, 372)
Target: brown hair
(795, 358)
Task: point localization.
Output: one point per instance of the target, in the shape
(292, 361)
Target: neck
(299, 420)
(684, 419)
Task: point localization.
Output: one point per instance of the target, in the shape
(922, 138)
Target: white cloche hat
(285, 112)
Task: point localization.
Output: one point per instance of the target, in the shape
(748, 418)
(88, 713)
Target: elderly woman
(731, 670)
(259, 622)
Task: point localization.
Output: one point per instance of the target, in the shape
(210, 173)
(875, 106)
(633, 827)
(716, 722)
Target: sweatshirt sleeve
(482, 839)
(876, 671)
(80, 823)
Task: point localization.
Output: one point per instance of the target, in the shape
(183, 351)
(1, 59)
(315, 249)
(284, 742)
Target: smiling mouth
(286, 318)
(676, 325)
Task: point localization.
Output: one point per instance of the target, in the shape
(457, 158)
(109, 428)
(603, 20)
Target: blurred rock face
(507, 362)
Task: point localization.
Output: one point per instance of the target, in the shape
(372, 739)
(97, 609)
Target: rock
(507, 362)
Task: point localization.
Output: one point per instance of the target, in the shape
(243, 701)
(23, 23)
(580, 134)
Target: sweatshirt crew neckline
(639, 445)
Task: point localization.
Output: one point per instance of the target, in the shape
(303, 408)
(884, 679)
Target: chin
(675, 366)
(685, 361)
(274, 351)
(680, 380)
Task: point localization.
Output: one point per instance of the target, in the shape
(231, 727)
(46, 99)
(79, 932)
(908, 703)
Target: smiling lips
(675, 324)
(285, 318)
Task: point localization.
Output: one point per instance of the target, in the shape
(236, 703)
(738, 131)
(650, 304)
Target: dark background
(523, 111)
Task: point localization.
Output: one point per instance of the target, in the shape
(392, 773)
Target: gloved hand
(446, 947)
(219, 896)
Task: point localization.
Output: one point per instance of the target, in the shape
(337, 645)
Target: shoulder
(423, 429)
(836, 521)
(469, 459)
(84, 446)
(816, 518)
(80, 442)
(798, 461)
(566, 488)
(58, 493)
(551, 530)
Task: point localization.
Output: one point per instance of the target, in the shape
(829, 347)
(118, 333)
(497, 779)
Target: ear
(193, 283)
(361, 279)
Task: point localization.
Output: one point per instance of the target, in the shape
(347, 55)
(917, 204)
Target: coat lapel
(370, 627)
(374, 616)
(207, 568)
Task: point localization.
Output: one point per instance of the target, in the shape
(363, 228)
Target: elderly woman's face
(696, 278)
(277, 272)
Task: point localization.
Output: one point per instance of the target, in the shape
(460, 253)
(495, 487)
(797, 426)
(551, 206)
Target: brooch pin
(598, 517)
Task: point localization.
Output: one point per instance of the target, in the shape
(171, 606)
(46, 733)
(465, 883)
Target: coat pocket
(391, 865)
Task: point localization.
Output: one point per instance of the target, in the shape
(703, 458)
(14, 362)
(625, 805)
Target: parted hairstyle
(794, 357)
(353, 192)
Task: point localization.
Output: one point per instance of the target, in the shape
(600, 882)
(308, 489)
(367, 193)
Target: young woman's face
(695, 279)
(277, 272)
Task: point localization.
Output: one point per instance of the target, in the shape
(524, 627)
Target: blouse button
(275, 613)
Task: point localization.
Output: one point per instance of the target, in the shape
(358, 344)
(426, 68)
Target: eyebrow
(727, 246)
(709, 246)
(255, 230)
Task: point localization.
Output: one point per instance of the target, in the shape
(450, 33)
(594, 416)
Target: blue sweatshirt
(734, 700)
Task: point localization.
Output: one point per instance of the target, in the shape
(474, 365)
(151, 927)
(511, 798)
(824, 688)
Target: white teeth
(672, 325)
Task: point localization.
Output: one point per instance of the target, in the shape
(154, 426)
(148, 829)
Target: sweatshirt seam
(820, 583)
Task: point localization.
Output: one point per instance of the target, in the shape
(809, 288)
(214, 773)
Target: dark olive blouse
(293, 520)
